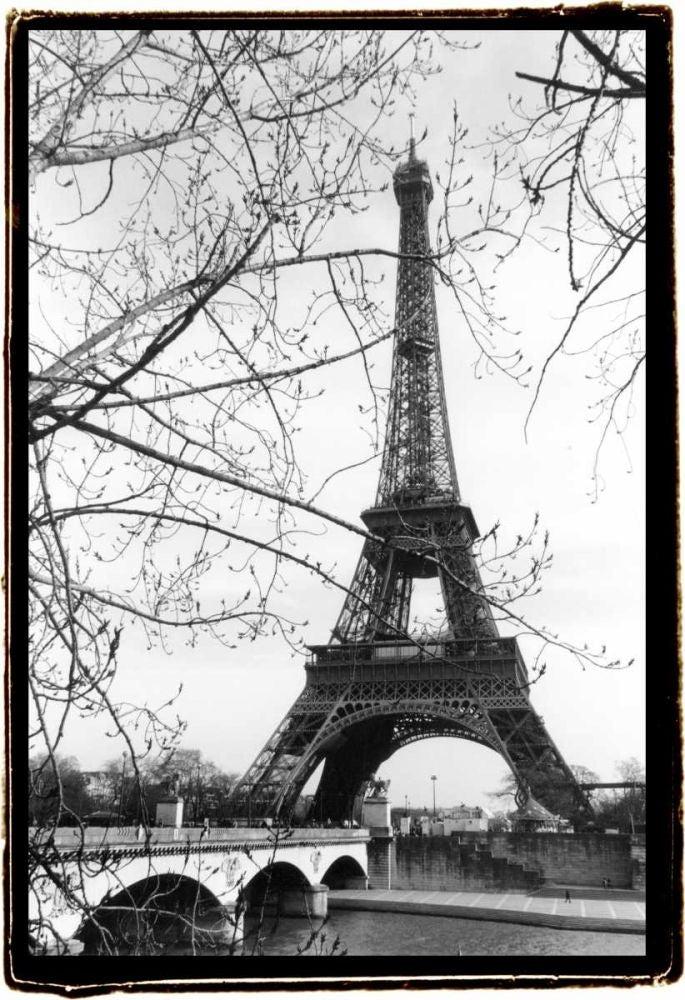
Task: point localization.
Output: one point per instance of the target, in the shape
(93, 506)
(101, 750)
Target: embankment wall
(493, 862)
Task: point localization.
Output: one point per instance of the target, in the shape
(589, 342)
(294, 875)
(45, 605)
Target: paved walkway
(618, 916)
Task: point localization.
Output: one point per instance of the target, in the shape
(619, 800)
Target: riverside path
(614, 910)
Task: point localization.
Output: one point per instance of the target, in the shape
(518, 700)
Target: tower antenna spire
(412, 140)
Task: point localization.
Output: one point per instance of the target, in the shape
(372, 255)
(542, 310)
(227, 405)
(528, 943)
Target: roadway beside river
(596, 912)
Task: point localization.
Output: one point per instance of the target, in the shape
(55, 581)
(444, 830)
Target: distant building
(459, 819)
(101, 788)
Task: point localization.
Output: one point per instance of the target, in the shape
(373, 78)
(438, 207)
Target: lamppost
(121, 793)
(434, 778)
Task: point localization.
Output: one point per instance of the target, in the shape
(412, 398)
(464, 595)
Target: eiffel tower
(373, 689)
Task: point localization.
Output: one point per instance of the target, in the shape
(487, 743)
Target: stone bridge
(86, 879)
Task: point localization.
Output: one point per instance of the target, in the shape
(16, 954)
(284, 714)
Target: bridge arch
(267, 887)
(180, 873)
(344, 873)
(153, 913)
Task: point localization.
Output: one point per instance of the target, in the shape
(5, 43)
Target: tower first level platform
(363, 702)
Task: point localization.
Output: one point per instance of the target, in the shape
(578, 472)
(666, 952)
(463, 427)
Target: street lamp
(434, 778)
(121, 794)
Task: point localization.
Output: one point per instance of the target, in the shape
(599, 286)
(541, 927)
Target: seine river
(366, 933)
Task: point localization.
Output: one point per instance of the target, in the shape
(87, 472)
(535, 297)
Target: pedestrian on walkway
(567, 897)
(604, 883)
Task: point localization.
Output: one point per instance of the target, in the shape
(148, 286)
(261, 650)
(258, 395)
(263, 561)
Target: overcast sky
(594, 592)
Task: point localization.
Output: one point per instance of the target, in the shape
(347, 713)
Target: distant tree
(103, 789)
(204, 786)
(584, 774)
(558, 799)
(621, 808)
(506, 790)
(499, 822)
(624, 808)
(127, 798)
(630, 769)
(57, 791)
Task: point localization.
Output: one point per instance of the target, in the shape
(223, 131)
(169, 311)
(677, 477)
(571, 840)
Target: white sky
(233, 699)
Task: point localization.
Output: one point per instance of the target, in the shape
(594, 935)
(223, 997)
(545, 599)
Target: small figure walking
(567, 897)
(604, 883)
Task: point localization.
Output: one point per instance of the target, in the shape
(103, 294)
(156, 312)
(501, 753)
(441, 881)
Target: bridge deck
(96, 837)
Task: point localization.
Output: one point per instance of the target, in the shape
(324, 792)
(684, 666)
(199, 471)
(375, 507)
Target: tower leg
(363, 709)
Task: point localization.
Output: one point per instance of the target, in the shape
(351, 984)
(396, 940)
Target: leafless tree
(205, 788)
(559, 796)
(193, 195)
(191, 170)
(577, 154)
(625, 807)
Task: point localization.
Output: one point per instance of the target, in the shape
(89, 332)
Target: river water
(367, 933)
(363, 932)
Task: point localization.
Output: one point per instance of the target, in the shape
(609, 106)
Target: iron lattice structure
(373, 689)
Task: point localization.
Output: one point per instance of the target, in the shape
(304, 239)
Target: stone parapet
(99, 836)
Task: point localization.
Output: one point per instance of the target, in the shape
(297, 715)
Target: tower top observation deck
(411, 177)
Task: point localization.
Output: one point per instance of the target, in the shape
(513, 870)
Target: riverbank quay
(620, 916)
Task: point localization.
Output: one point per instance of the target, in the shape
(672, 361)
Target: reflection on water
(349, 932)
(368, 933)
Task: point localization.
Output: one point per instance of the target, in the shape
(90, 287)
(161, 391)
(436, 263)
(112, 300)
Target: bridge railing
(74, 838)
